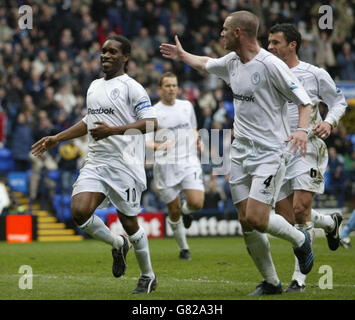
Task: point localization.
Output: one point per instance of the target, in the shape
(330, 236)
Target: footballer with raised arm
(261, 84)
(118, 112)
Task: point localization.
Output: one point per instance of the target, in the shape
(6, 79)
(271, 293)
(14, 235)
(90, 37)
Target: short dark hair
(125, 45)
(290, 32)
(166, 75)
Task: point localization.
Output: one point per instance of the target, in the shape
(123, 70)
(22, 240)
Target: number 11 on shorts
(131, 194)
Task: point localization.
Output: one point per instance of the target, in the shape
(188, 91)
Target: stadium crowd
(45, 73)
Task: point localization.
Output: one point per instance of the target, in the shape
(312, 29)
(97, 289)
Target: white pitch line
(199, 280)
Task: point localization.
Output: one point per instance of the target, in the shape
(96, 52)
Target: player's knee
(299, 208)
(256, 223)
(195, 204)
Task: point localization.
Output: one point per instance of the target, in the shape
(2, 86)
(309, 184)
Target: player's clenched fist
(103, 130)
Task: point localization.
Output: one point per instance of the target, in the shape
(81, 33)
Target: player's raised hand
(171, 51)
(43, 145)
(101, 131)
(298, 142)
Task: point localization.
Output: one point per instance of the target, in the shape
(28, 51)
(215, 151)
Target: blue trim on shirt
(147, 106)
(141, 103)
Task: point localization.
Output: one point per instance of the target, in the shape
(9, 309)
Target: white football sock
(280, 228)
(139, 241)
(308, 226)
(185, 209)
(179, 233)
(323, 221)
(96, 228)
(258, 246)
(297, 274)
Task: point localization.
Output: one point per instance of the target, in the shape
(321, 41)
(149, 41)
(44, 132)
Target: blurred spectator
(5, 30)
(43, 126)
(49, 104)
(159, 37)
(85, 77)
(34, 86)
(346, 62)
(339, 141)
(103, 30)
(145, 41)
(325, 57)
(149, 17)
(25, 69)
(39, 179)
(307, 50)
(349, 164)
(69, 153)
(41, 165)
(131, 22)
(40, 62)
(337, 176)
(214, 194)
(22, 141)
(66, 43)
(65, 97)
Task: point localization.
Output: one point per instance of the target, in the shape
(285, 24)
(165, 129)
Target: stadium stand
(45, 72)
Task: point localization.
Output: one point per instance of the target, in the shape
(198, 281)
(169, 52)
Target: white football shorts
(119, 187)
(306, 173)
(257, 171)
(191, 181)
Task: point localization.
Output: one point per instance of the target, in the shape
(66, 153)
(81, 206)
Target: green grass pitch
(220, 269)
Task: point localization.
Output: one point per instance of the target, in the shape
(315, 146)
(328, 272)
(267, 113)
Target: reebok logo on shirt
(100, 111)
(242, 97)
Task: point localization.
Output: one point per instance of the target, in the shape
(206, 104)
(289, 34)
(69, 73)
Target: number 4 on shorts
(268, 181)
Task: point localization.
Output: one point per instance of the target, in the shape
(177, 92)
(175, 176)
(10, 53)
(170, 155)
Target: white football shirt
(261, 89)
(178, 124)
(320, 87)
(118, 101)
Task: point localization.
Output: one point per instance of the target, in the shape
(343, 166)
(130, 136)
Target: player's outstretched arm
(103, 130)
(177, 53)
(77, 130)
